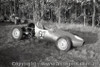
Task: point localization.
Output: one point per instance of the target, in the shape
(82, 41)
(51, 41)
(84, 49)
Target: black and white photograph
(49, 33)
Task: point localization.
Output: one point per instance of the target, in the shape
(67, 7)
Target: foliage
(53, 10)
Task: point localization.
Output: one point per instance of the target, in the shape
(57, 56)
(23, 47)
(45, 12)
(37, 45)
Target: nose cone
(78, 41)
(78, 38)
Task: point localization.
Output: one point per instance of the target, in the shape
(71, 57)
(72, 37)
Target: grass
(45, 52)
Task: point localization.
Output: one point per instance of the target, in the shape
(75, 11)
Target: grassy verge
(45, 53)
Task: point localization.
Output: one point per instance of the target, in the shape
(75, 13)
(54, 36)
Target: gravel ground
(45, 54)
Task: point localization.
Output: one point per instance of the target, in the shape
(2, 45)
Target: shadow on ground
(24, 53)
(7, 56)
(89, 37)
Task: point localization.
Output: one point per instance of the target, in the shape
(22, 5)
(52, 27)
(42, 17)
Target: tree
(0, 7)
(33, 10)
(94, 11)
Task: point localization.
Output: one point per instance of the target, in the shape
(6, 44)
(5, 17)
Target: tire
(17, 33)
(63, 44)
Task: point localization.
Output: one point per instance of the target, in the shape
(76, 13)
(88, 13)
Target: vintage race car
(64, 40)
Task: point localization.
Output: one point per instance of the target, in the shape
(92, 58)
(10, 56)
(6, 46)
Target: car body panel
(55, 34)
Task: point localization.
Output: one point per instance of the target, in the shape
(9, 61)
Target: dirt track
(43, 52)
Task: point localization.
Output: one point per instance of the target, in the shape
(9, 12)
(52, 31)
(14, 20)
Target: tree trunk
(33, 10)
(59, 17)
(75, 12)
(39, 10)
(16, 6)
(93, 17)
(84, 17)
(5, 10)
(10, 8)
(59, 21)
(0, 7)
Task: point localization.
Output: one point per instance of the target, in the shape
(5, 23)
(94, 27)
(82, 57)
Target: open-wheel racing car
(63, 39)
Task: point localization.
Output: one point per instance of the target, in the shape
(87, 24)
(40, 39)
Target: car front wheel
(64, 44)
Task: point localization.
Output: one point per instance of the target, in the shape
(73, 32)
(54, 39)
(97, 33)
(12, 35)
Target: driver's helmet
(45, 25)
(39, 24)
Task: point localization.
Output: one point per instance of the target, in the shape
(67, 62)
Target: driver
(46, 25)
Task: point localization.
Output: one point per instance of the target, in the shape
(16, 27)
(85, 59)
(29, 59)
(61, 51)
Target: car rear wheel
(64, 44)
(17, 33)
